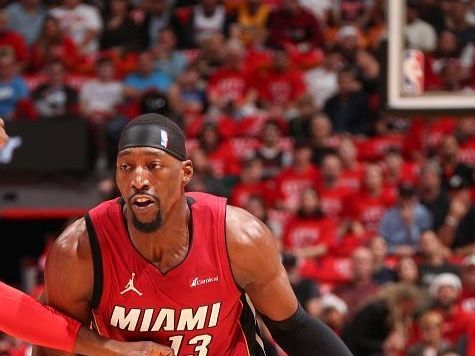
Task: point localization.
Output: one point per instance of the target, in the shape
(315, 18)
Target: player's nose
(140, 180)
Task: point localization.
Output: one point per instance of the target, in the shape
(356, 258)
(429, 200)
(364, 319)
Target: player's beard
(148, 227)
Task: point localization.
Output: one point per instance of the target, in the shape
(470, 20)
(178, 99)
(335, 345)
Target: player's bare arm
(69, 281)
(3, 133)
(257, 269)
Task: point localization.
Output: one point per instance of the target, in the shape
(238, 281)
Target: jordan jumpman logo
(130, 286)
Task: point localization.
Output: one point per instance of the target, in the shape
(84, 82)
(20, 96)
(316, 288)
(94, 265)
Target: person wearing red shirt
(467, 299)
(23, 317)
(281, 85)
(368, 206)
(352, 169)
(229, 88)
(251, 184)
(291, 24)
(309, 234)
(54, 330)
(53, 45)
(445, 292)
(396, 170)
(12, 39)
(220, 153)
(332, 194)
(291, 182)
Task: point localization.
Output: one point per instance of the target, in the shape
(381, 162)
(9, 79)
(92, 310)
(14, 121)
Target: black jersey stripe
(250, 328)
(96, 263)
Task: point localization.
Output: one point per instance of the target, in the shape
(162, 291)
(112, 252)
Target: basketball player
(23, 317)
(184, 270)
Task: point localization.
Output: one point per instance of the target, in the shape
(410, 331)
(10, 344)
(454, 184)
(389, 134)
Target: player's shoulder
(73, 242)
(250, 246)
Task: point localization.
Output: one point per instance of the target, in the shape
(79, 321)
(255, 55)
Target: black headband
(153, 135)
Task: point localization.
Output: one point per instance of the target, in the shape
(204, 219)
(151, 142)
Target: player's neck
(168, 246)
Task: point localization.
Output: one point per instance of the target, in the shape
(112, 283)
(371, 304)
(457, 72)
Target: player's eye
(154, 165)
(124, 167)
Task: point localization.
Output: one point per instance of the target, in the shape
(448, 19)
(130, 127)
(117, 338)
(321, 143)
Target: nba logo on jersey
(413, 72)
(163, 138)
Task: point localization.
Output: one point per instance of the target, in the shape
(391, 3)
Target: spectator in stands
(334, 312)
(352, 169)
(402, 225)
(229, 87)
(309, 234)
(81, 22)
(292, 25)
(299, 124)
(467, 299)
(381, 272)
(250, 184)
(449, 159)
(431, 343)
(367, 207)
(391, 310)
(100, 97)
(146, 78)
(432, 13)
(12, 40)
(431, 194)
(357, 292)
(306, 290)
(55, 99)
(99, 100)
(348, 108)
(434, 258)
(407, 271)
(453, 77)
(291, 182)
(448, 49)
(457, 232)
(273, 156)
(167, 58)
(320, 137)
(220, 153)
(208, 17)
(53, 45)
(445, 291)
(187, 95)
(362, 63)
(205, 180)
(13, 89)
(396, 170)
(120, 32)
(212, 55)
(280, 86)
(333, 194)
(158, 15)
(322, 81)
(456, 21)
(26, 18)
(251, 20)
(419, 34)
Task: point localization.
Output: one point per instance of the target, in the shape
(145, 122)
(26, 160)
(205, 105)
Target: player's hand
(3, 133)
(141, 348)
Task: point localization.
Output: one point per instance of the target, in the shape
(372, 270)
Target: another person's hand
(3, 134)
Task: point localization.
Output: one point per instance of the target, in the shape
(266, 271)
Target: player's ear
(187, 171)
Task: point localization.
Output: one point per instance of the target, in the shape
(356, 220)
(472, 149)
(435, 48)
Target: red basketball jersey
(196, 308)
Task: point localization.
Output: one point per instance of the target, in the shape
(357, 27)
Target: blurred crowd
(282, 106)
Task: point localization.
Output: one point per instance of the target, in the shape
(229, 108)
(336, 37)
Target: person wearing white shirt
(322, 81)
(81, 22)
(419, 34)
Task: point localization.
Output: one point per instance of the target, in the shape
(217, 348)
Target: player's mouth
(142, 202)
